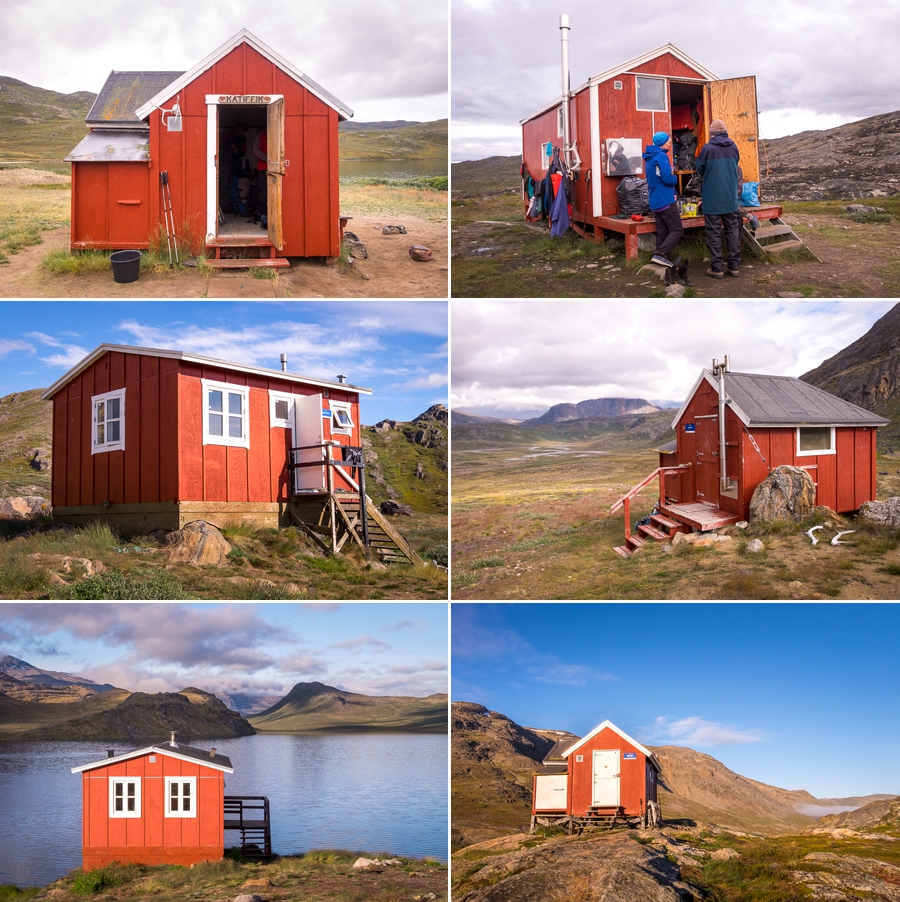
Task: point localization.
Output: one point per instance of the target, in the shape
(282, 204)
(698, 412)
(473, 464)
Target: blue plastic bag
(750, 194)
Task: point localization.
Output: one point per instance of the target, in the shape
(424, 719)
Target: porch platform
(700, 516)
(631, 229)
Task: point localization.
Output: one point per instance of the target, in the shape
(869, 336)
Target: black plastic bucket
(126, 265)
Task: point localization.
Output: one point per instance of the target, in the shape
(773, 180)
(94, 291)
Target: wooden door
(550, 792)
(733, 100)
(308, 417)
(606, 779)
(275, 173)
(708, 460)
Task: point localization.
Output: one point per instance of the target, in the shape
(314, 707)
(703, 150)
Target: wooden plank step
(622, 551)
(783, 246)
(769, 231)
(261, 240)
(250, 263)
(647, 530)
(637, 541)
(671, 525)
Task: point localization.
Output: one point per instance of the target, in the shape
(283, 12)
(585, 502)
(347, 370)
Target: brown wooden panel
(190, 458)
(150, 431)
(733, 100)
(170, 436)
(275, 169)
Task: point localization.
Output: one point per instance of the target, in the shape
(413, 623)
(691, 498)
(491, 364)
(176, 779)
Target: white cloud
(693, 731)
(8, 346)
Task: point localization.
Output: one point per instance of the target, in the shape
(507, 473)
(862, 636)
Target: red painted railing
(625, 500)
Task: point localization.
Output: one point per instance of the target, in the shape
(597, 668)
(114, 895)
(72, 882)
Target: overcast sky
(385, 60)
(753, 685)
(258, 649)
(519, 358)
(807, 58)
(396, 348)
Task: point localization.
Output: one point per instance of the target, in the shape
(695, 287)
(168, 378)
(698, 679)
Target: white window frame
(226, 387)
(96, 401)
(831, 450)
(112, 796)
(274, 420)
(192, 782)
(338, 428)
(637, 105)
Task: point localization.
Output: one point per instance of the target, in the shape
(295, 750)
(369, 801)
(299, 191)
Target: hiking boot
(733, 272)
(661, 260)
(715, 274)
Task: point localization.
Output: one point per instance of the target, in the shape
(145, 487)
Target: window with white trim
(341, 418)
(815, 440)
(124, 796)
(281, 410)
(650, 93)
(226, 414)
(108, 421)
(181, 796)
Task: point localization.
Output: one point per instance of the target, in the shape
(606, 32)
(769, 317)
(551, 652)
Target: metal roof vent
(212, 753)
(172, 741)
(284, 363)
(342, 379)
(110, 753)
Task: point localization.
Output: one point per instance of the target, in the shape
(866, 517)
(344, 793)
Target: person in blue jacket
(718, 165)
(661, 182)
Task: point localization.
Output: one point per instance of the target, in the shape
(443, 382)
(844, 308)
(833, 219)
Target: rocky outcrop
(198, 543)
(787, 493)
(886, 512)
(24, 507)
(884, 812)
(843, 878)
(395, 508)
(597, 407)
(612, 868)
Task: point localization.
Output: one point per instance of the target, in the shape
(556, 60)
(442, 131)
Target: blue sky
(519, 358)
(258, 649)
(800, 696)
(397, 348)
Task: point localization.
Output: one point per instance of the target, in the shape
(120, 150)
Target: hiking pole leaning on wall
(168, 215)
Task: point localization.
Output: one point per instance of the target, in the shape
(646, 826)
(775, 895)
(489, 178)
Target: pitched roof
(627, 66)
(759, 400)
(555, 754)
(244, 37)
(611, 726)
(194, 358)
(123, 93)
(178, 750)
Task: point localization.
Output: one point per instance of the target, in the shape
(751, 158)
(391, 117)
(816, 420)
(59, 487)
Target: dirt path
(389, 271)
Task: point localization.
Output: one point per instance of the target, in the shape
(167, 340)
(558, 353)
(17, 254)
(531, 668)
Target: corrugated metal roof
(179, 750)
(787, 401)
(125, 92)
(112, 145)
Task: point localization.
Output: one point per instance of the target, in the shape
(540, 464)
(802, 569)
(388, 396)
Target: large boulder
(887, 513)
(24, 507)
(393, 508)
(198, 543)
(787, 493)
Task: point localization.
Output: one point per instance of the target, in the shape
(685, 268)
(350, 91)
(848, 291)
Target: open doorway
(242, 189)
(686, 100)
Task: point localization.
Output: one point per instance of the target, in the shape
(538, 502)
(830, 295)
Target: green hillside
(25, 425)
(313, 707)
(423, 141)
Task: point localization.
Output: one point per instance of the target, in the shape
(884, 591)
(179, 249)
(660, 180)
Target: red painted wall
(152, 838)
(164, 458)
(633, 786)
(311, 201)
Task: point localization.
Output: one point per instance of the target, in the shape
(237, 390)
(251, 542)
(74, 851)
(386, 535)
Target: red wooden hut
(607, 775)
(147, 123)
(613, 116)
(754, 423)
(164, 804)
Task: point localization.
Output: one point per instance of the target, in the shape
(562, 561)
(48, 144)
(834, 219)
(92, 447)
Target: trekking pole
(163, 181)
(172, 215)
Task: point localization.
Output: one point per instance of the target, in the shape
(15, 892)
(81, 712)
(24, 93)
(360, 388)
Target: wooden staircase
(249, 816)
(244, 252)
(772, 237)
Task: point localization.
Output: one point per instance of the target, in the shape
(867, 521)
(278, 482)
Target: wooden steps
(772, 237)
(387, 543)
(249, 263)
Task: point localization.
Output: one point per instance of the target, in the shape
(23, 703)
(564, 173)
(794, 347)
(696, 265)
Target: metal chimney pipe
(172, 741)
(342, 379)
(212, 753)
(564, 41)
(720, 369)
(284, 363)
(110, 753)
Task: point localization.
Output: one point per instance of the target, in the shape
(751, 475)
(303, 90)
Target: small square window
(651, 93)
(108, 422)
(579, 759)
(815, 440)
(341, 418)
(181, 793)
(225, 414)
(124, 797)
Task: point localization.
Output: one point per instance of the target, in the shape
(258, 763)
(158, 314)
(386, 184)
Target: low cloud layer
(695, 731)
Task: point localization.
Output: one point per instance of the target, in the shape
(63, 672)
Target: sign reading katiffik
(245, 98)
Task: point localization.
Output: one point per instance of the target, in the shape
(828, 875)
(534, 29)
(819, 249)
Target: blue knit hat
(660, 138)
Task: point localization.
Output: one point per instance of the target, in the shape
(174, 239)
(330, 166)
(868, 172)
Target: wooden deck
(249, 815)
(631, 229)
(700, 516)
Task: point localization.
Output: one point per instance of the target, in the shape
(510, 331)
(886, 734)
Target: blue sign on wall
(690, 427)
(326, 412)
(628, 755)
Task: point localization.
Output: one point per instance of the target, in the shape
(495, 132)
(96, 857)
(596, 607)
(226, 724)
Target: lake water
(384, 792)
(391, 169)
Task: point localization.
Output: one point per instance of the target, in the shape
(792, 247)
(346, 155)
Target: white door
(606, 778)
(308, 416)
(550, 792)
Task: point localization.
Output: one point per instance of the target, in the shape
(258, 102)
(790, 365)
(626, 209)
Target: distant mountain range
(598, 407)
(493, 758)
(24, 672)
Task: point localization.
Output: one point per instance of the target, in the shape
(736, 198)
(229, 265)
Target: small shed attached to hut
(769, 421)
(601, 129)
(144, 124)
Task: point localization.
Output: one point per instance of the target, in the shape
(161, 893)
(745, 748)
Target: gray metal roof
(125, 92)
(787, 401)
(104, 145)
(178, 750)
(556, 753)
(668, 447)
(553, 770)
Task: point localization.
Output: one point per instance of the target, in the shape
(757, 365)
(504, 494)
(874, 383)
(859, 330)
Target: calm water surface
(392, 169)
(384, 792)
